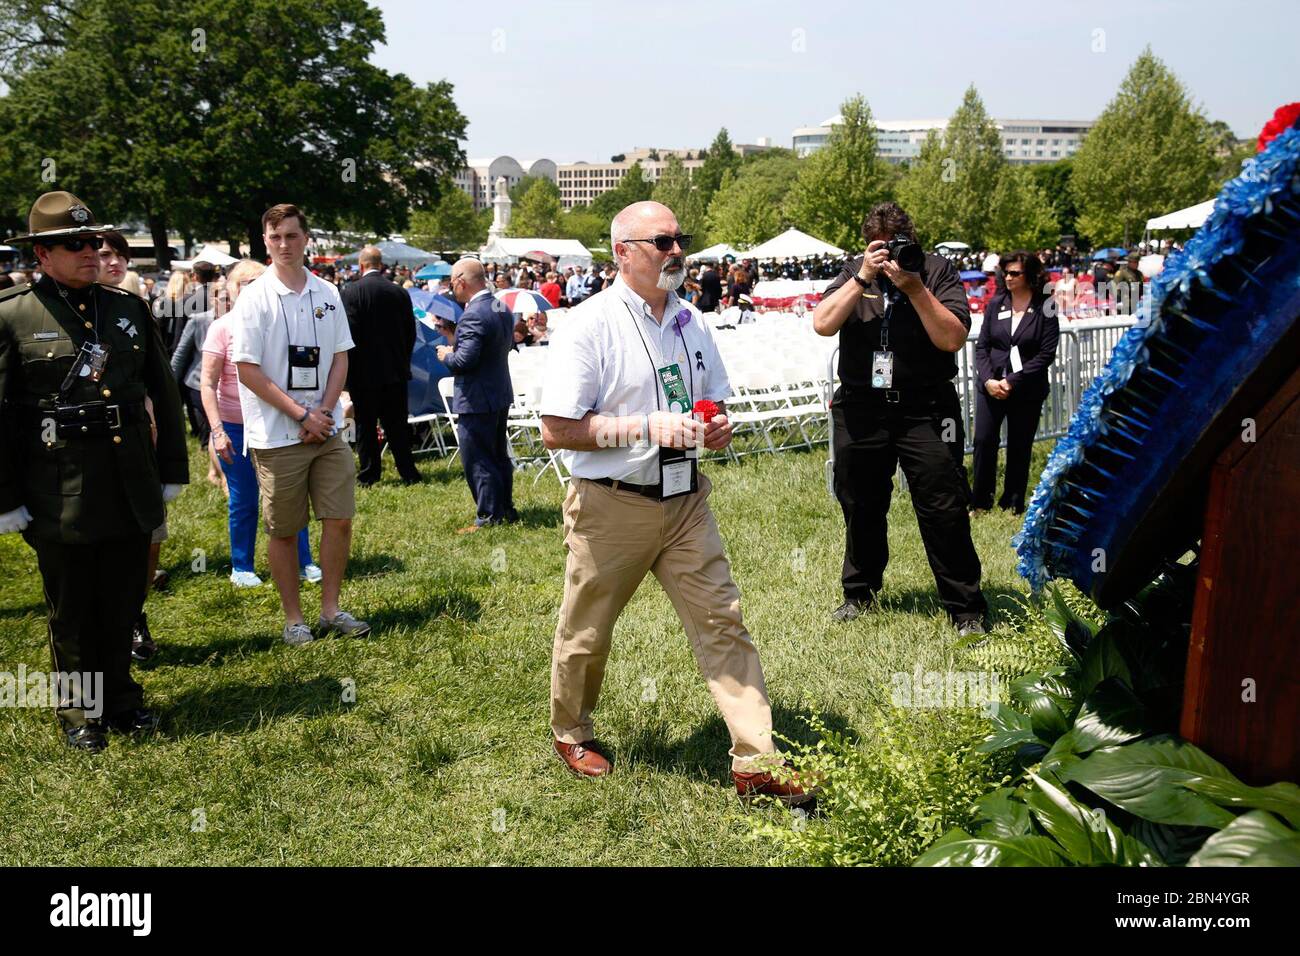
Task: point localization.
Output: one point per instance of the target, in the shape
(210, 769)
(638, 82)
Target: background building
(1023, 140)
(479, 177)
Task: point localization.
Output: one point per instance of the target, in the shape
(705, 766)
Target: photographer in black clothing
(901, 316)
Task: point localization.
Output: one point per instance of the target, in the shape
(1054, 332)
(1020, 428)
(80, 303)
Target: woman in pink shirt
(219, 390)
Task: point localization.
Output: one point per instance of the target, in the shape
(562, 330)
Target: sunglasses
(1013, 272)
(665, 243)
(76, 245)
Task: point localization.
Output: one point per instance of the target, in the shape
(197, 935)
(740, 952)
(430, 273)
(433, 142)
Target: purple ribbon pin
(683, 319)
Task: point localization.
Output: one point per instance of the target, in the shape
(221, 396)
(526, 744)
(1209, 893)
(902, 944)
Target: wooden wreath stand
(1246, 619)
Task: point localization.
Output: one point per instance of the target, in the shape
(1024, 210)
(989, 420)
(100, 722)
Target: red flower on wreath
(1282, 121)
(706, 410)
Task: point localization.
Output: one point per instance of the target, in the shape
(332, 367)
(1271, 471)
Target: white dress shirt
(265, 317)
(598, 362)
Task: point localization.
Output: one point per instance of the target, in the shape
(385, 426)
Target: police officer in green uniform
(79, 475)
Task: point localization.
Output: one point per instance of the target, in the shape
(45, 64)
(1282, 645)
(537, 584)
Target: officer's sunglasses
(665, 243)
(76, 245)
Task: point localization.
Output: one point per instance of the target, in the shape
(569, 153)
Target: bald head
(467, 279)
(641, 220)
(643, 266)
(371, 258)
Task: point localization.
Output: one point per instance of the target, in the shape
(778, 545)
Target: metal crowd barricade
(1082, 352)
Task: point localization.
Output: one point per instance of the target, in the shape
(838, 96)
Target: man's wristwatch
(861, 281)
(305, 413)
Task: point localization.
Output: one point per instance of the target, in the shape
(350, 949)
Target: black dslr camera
(908, 254)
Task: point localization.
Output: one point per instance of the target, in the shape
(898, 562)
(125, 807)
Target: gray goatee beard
(671, 281)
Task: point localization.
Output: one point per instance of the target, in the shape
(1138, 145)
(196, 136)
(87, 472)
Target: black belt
(649, 491)
(90, 419)
(898, 396)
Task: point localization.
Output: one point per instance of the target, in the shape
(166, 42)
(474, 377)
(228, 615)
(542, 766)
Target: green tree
(948, 190)
(633, 187)
(836, 185)
(676, 191)
(172, 112)
(537, 214)
(1021, 215)
(1054, 180)
(719, 159)
(451, 224)
(1151, 152)
(584, 225)
(749, 208)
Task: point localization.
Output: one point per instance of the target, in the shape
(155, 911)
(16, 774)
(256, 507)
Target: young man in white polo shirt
(291, 350)
(625, 371)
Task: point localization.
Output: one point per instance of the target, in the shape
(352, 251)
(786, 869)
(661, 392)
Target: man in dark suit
(484, 334)
(710, 289)
(383, 328)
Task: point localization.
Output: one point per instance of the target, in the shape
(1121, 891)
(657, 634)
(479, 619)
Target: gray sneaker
(297, 634)
(345, 624)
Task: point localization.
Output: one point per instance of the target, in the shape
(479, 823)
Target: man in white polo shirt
(623, 376)
(291, 344)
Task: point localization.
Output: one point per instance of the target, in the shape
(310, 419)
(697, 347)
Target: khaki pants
(614, 538)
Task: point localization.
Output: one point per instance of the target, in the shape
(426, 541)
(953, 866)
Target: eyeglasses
(76, 245)
(1013, 272)
(665, 243)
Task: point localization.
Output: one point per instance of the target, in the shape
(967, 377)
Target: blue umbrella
(972, 275)
(442, 306)
(434, 270)
(1107, 254)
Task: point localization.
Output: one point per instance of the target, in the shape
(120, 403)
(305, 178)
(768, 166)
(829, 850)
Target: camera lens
(908, 254)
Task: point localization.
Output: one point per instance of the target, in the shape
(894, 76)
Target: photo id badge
(304, 367)
(677, 472)
(882, 370)
(679, 399)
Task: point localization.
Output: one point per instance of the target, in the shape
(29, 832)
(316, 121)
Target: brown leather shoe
(752, 785)
(584, 759)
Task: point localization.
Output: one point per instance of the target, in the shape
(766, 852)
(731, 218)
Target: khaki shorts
(288, 476)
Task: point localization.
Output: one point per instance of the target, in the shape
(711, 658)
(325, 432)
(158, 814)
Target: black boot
(142, 642)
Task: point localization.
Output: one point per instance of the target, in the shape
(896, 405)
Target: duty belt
(88, 420)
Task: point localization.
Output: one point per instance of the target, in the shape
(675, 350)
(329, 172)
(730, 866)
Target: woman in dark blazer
(1013, 354)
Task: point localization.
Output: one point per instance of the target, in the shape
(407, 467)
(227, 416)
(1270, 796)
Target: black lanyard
(311, 301)
(658, 384)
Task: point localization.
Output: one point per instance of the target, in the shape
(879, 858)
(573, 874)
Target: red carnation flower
(1282, 121)
(706, 410)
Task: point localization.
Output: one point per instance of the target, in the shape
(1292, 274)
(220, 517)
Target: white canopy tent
(209, 253)
(953, 245)
(715, 253)
(792, 244)
(1193, 217)
(510, 250)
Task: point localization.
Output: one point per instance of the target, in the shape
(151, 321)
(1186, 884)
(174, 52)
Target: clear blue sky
(571, 79)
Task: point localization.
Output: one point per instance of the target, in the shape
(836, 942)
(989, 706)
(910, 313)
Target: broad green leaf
(960, 849)
(1101, 660)
(1281, 798)
(1085, 835)
(1005, 815)
(1172, 844)
(1046, 698)
(1072, 631)
(1283, 853)
(1242, 838)
(1110, 715)
(1143, 778)
(1010, 727)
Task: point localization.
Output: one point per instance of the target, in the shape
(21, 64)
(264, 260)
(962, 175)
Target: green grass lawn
(445, 756)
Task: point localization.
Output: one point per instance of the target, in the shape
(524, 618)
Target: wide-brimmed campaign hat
(58, 215)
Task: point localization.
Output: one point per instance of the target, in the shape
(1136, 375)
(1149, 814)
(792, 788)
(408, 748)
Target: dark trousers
(94, 593)
(1021, 412)
(199, 424)
(386, 404)
(488, 469)
(871, 439)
